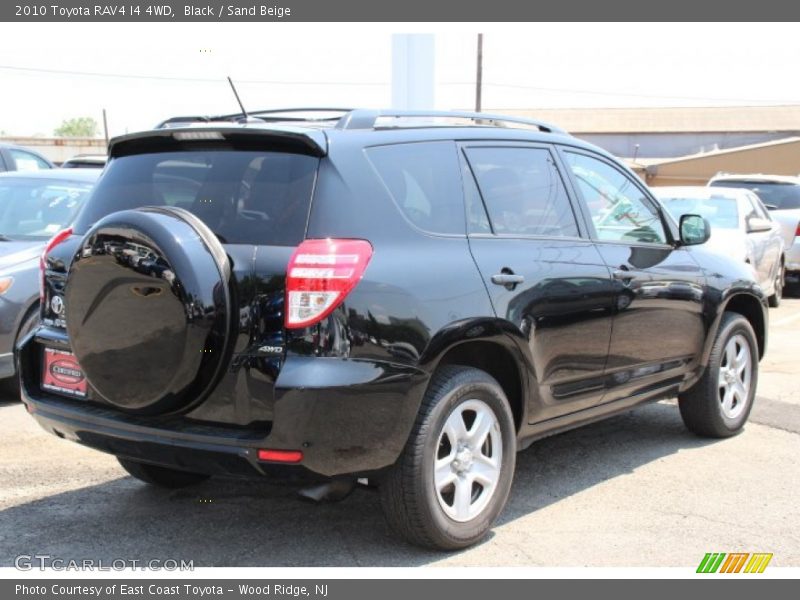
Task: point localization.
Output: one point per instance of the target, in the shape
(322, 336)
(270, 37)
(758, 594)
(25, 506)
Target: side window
(27, 161)
(618, 208)
(759, 210)
(477, 219)
(523, 191)
(424, 181)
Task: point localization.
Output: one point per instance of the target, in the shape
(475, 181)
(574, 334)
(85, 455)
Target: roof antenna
(247, 118)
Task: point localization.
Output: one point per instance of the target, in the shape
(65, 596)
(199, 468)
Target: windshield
(722, 213)
(245, 197)
(38, 208)
(779, 195)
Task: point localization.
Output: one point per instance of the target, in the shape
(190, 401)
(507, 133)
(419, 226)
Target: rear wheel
(161, 476)
(455, 473)
(718, 405)
(780, 279)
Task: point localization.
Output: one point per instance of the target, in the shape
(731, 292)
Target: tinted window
(619, 209)
(244, 197)
(424, 181)
(26, 161)
(779, 195)
(36, 208)
(523, 191)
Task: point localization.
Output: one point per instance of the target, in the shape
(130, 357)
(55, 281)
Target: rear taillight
(320, 275)
(797, 231)
(54, 241)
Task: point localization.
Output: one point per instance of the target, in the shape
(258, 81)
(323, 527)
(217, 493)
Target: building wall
(773, 159)
(672, 145)
(59, 149)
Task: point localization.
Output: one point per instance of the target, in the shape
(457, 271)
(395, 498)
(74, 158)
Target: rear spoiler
(276, 138)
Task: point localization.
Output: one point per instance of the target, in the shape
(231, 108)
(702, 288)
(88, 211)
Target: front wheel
(718, 405)
(454, 475)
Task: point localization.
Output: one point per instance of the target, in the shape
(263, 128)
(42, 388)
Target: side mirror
(694, 230)
(756, 224)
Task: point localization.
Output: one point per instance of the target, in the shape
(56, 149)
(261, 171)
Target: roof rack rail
(367, 119)
(269, 115)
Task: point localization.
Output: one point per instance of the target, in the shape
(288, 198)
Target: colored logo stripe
(734, 562)
(758, 563)
(710, 562)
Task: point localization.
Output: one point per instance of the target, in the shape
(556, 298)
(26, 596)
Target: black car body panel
(574, 328)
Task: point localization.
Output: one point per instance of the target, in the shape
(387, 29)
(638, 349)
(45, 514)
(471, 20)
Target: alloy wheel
(468, 460)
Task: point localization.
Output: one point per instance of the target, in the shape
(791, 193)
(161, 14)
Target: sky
(143, 73)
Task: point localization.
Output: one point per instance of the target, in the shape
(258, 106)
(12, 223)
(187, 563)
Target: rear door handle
(507, 279)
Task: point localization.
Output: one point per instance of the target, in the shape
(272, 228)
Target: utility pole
(479, 77)
(105, 126)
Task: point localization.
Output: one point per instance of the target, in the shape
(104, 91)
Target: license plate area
(62, 374)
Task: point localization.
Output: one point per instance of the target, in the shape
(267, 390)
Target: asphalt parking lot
(636, 490)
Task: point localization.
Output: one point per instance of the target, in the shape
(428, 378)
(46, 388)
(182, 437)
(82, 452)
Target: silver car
(34, 205)
(741, 227)
(781, 195)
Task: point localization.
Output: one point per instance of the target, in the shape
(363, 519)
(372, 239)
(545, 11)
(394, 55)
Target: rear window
(779, 195)
(244, 197)
(424, 179)
(38, 208)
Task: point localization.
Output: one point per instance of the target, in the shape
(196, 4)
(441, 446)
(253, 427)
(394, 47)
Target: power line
(183, 79)
(384, 83)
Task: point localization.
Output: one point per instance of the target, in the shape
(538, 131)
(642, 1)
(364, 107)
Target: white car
(781, 195)
(740, 227)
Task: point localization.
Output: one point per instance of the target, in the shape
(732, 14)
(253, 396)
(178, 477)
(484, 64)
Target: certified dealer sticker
(62, 373)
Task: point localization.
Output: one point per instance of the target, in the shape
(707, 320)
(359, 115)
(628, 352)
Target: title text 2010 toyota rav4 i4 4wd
(410, 298)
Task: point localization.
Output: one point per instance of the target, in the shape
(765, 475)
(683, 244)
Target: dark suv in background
(405, 297)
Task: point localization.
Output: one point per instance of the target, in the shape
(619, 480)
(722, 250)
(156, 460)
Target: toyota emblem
(57, 305)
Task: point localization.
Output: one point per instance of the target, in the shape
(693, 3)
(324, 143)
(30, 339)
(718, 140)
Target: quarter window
(619, 209)
(424, 181)
(523, 191)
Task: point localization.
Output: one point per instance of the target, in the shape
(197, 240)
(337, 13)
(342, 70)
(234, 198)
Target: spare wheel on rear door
(148, 309)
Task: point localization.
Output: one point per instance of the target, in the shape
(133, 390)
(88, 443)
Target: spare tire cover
(148, 308)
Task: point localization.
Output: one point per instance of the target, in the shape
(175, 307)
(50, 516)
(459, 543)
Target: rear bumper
(346, 416)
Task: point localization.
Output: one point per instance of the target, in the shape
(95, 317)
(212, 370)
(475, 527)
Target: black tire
(701, 406)
(411, 503)
(780, 280)
(161, 476)
(10, 385)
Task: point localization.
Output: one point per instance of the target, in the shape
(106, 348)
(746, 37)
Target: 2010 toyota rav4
(408, 298)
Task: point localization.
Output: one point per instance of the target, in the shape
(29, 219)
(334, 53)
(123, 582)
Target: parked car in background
(740, 227)
(781, 196)
(33, 207)
(405, 297)
(17, 158)
(85, 161)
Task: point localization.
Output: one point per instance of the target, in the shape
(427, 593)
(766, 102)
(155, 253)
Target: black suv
(409, 298)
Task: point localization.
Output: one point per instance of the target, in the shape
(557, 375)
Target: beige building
(781, 157)
(59, 149)
(674, 146)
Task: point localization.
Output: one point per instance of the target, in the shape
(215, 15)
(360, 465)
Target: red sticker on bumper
(62, 373)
